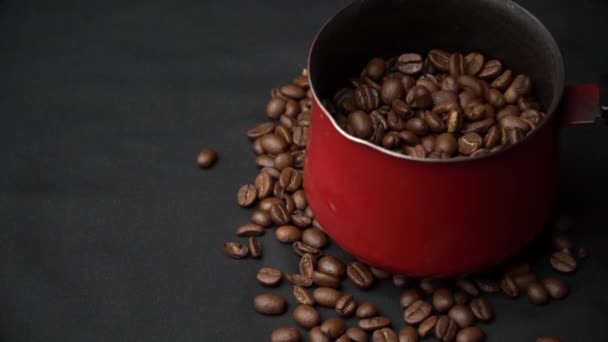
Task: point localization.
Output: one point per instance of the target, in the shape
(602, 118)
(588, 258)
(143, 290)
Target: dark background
(109, 232)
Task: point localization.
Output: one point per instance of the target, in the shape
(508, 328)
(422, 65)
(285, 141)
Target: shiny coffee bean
(385, 335)
(408, 334)
(333, 327)
(367, 98)
(410, 63)
(332, 266)
(267, 203)
(316, 335)
(346, 306)
(298, 279)
(250, 229)
(293, 91)
(470, 334)
(262, 218)
(360, 275)
(521, 86)
(301, 248)
(479, 127)
(264, 183)
(357, 334)
(375, 68)
(325, 280)
(469, 143)
(471, 84)
(482, 309)
(556, 287)
(400, 281)
(235, 250)
(307, 265)
(434, 122)
(367, 310)
(474, 62)
(563, 262)
(361, 124)
(509, 287)
(427, 327)
(303, 296)
(247, 195)
(306, 316)
(428, 143)
(326, 296)
(439, 59)
(255, 247)
(269, 304)
(410, 296)
(286, 334)
(461, 297)
(288, 234)
(468, 287)
(462, 315)
(493, 137)
(503, 81)
(290, 179)
(275, 108)
(279, 214)
(491, 69)
(417, 312)
(419, 97)
(445, 329)
(315, 237)
(260, 130)
(537, 294)
(268, 276)
(392, 89)
(273, 144)
(456, 65)
(283, 160)
(374, 323)
(443, 299)
(455, 119)
(417, 126)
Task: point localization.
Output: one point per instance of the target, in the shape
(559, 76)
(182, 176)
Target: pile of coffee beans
(443, 105)
(448, 309)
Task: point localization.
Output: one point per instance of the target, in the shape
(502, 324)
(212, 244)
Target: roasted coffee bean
(522, 280)
(257, 147)
(307, 265)
(375, 68)
(429, 82)
(408, 334)
(367, 98)
(556, 287)
(509, 287)
(247, 195)
(461, 297)
(493, 137)
(264, 160)
(521, 86)
(434, 122)
(410, 296)
(250, 229)
(427, 327)
(444, 96)
(298, 279)
(283, 160)
(447, 143)
(316, 335)
(392, 89)
(537, 294)
(563, 261)
(314, 237)
(288, 234)
(402, 109)
(462, 315)
(284, 133)
(509, 110)
(287, 121)
(374, 323)
(331, 265)
(514, 122)
(300, 220)
(531, 117)
(367, 310)
(373, 84)
(273, 144)
(391, 140)
(416, 126)
(428, 143)
(491, 69)
(327, 297)
(333, 327)
(439, 59)
(357, 334)
(385, 335)
(264, 183)
(292, 108)
(285, 334)
(262, 218)
(343, 338)
(260, 129)
(306, 316)
(269, 304)
(290, 179)
(400, 281)
(475, 111)
(275, 108)
(486, 285)
(267, 203)
(268, 276)
(301, 81)
(470, 334)
(361, 124)
(562, 242)
(271, 171)
(301, 248)
(471, 84)
(409, 138)
(346, 306)
(479, 127)
(443, 299)
(394, 121)
(235, 250)
(455, 119)
(417, 312)
(482, 309)
(360, 275)
(410, 63)
(345, 100)
(495, 98)
(469, 143)
(303, 296)
(429, 285)
(299, 199)
(474, 62)
(450, 84)
(445, 329)
(279, 214)
(300, 136)
(255, 247)
(456, 65)
(325, 280)
(503, 81)
(419, 97)
(293, 91)
(379, 273)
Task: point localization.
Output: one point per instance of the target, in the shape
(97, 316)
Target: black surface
(109, 232)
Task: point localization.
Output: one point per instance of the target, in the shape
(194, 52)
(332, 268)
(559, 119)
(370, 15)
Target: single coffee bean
(509, 287)
(325, 280)
(563, 262)
(583, 253)
(345, 100)
(292, 108)
(206, 158)
(250, 229)
(326, 296)
(528, 103)
(402, 109)
(290, 179)
(446, 142)
(469, 143)
(427, 327)
(474, 62)
(475, 111)
(314, 237)
(284, 133)
(287, 121)
(267, 203)
(416, 126)
(343, 338)
(346, 306)
(461, 297)
(333, 327)
(307, 265)
(285, 334)
(547, 339)
(375, 68)
(273, 144)
(360, 275)
(486, 285)
(269, 276)
(456, 65)
(264, 160)
(269, 304)
(532, 117)
(367, 310)
(446, 329)
(408, 334)
(299, 199)
(293, 91)
(247, 195)
(264, 183)
(357, 334)
(417, 312)
(495, 98)
(300, 136)
(275, 108)
(503, 81)
(303, 296)
(482, 309)
(491, 69)
(444, 96)
(471, 84)
(283, 160)
(279, 214)
(439, 59)
(429, 82)
(537, 294)
(417, 151)
(410, 296)
(455, 119)
(556, 287)
(316, 335)
(462, 315)
(306, 316)
(331, 265)
(255, 247)
(493, 137)
(394, 121)
(301, 81)
(392, 89)
(298, 279)
(470, 334)
(409, 138)
(274, 173)
(450, 84)
(361, 124)
(509, 110)
(479, 127)
(434, 122)
(520, 86)
(562, 242)
(428, 143)
(288, 234)
(391, 140)
(288, 201)
(385, 335)
(300, 220)
(373, 84)
(235, 250)
(419, 97)
(410, 63)
(510, 122)
(367, 98)
(443, 299)
(301, 248)
(374, 323)
(400, 281)
(257, 147)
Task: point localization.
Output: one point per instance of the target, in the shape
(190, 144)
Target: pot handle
(585, 103)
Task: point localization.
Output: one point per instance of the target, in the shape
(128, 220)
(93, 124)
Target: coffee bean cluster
(443, 105)
(448, 309)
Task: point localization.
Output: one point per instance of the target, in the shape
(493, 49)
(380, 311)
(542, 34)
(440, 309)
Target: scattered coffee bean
(261, 218)
(327, 297)
(417, 312)
(306, 316)
(357, 334)
(298, 279)
(269, 304)
(279, 214)
(325, 280)
(443, 299)
(367, 310)
(374, 323)
(288, 234)
(331, 265)
(333, 327)
(235, 250)
(400, 281)
(316, 335)
(206, 158)
(509, 287)
(445, 329)
(468, 287)
(303, 296)
(247, 195)
(360, 275)
(268, 276)
(385, 335)
(286, 334)
(260, 129)
(301, 248)
(250, 229)
(563, 261)
(462, 315)
(522, 280)
(267, 203)
(314, 237)
(427, 327)
(470, 334)
(379, 274)
(307, 265)
(346, 306)
(487, 285)
(482, 309)
(255, 247)
(556, 287)
(537, 294)
(461, 297)
(408, 334)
